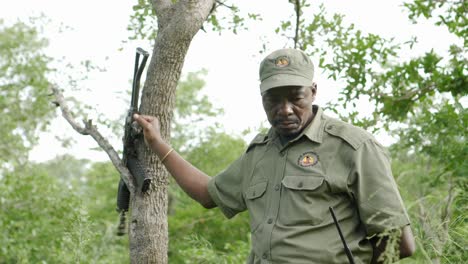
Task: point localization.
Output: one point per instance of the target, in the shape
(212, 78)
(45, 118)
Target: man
(288, 178)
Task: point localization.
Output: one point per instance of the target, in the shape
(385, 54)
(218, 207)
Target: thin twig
(223, 4)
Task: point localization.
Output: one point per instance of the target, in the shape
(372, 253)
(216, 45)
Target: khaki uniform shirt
(288, 189)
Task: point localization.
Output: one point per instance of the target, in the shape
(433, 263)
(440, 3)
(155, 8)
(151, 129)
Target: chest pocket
(303, 183)
(303, 200)
(256, 203)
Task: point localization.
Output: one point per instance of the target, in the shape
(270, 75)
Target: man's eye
(272, 100)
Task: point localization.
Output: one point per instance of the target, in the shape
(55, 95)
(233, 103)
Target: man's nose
(285, 108)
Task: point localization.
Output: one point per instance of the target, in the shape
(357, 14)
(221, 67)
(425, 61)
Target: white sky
(99, 27)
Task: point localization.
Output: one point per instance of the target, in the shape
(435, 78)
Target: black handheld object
(131, 133)
(348, 252)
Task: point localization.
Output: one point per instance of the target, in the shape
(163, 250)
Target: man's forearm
(193, 181)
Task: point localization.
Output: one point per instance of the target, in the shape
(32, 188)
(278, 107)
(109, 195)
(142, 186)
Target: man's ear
(314, 89)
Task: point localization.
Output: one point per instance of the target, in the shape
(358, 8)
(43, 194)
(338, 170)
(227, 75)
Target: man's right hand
(151, 129)
(193, 181)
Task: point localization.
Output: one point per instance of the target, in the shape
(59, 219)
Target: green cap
(286, 67)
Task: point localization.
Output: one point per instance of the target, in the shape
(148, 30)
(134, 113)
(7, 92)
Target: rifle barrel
(138, 71)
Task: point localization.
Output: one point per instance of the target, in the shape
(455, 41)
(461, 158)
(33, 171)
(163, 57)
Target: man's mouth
(286, 123)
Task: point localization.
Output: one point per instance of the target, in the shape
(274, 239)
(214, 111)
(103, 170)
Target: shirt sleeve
(373, 185)
(226, 190)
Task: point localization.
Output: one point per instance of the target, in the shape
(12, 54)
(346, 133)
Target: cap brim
(278, 80)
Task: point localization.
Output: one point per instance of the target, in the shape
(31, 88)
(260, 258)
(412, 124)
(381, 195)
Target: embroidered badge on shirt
(308, 159)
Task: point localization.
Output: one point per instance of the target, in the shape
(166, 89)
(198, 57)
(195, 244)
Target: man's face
(289, 108)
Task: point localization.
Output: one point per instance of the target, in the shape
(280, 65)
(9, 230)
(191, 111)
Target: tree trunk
(177, 25)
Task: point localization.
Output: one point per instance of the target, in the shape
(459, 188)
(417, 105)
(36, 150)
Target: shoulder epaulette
(258, 140)
(353, 135)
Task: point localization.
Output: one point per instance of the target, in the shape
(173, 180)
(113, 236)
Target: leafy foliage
(194, 113)
(99, 194)
(227, 17)
(193, 229)
(143, 22)
(24, 104)
(55, 218)
(451, 14)
(200, 250)
(436, 206)
(43, 220)
(212, 151)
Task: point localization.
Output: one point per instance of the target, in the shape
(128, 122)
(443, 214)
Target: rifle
(348, 252)
(129, 157)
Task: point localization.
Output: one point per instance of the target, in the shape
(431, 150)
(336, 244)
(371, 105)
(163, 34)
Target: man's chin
(287, 133)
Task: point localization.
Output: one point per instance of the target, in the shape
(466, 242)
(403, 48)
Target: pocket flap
(256, 190)
(309, 183)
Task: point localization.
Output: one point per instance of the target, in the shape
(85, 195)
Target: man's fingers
(143, 117)
(148, 118)
(147, 122)
(141, 120)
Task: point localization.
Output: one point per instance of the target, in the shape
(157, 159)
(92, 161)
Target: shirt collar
(314, 131)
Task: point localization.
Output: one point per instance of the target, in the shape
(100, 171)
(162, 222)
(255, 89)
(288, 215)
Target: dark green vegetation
(24, 105)
(63, 211)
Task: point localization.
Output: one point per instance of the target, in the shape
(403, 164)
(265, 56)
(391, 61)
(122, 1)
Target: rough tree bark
(178, 22)
(177, 25)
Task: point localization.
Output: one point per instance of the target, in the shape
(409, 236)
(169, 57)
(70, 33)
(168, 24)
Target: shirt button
(277, 187)
(264, 256)
(270, 221)
(300, 184)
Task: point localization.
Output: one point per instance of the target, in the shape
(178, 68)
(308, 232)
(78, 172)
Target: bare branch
(297, 9)
(221, 3)
(91, 130)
